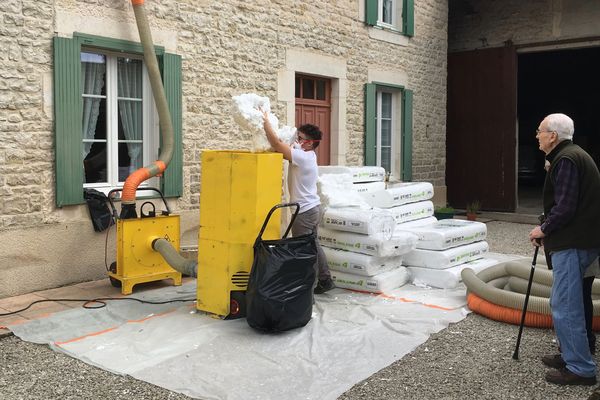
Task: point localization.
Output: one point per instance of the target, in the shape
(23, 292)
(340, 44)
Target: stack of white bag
(362, 249)
(407, 201)
(444, 249)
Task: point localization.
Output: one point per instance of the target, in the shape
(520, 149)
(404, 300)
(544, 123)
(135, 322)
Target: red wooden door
(481, 129)
(313, 106)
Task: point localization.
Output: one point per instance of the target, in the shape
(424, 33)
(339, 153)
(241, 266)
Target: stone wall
(228, 47)
(475, 24)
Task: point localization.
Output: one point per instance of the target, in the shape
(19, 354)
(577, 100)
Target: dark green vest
(583, 230)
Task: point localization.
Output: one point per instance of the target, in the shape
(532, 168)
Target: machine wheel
(113, 281)
(237, 305)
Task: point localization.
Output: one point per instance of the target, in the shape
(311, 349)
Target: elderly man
(571, 198)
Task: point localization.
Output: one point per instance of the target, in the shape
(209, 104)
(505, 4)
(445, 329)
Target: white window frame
(150, 127)
(396, 23)
(395, 132)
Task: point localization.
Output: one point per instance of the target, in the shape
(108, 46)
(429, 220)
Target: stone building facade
(226, 47)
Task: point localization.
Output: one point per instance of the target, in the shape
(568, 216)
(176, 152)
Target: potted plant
(444, 212)
(472, 209)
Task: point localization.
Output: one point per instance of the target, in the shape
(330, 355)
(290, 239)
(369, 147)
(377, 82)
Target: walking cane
(516, 353)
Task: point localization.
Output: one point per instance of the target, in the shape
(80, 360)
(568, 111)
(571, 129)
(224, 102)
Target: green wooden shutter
(371, 11)
(172, 180)
(370, 124)
(408, 17)
(68, 108)
(407, 134)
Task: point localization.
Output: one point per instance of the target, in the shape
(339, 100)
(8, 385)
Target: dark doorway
(480, 133)
(564, 81)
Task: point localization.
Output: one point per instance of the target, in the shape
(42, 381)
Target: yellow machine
(137, 262)
(238, 190)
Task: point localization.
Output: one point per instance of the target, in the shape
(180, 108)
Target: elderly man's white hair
(562, 125)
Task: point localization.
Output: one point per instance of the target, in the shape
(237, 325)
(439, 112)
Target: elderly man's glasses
(538, 131)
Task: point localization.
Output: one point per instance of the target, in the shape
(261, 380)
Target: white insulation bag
(400, 243)
(399, 194)
(412, 211)
(380, 283)
(448, 233)
(442, 259)
(367, 222)
(359, 264)
(359, 174)
(406, 226)
(448, 278)
(368, 187)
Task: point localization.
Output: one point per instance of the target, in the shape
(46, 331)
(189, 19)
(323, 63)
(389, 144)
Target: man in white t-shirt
(302, 178)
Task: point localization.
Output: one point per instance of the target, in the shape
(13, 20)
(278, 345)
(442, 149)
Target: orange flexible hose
(137, 177)
(137, 2)
(512, 316)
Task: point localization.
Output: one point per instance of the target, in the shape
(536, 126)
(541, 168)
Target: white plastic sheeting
(350, 337)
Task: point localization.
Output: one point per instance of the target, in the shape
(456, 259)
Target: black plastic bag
(98, 207)
(279, 296)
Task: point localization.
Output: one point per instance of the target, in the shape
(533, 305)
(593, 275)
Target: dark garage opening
(565, 81)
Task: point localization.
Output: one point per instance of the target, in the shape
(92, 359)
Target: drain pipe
(166, 125)
(174, 259)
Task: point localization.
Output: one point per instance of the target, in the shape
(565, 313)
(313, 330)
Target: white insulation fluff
(335, 190)
(247, 114)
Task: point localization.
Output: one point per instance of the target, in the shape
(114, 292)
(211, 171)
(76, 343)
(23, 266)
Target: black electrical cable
(106, 244)
(100, 300)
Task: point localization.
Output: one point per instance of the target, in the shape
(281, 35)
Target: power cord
(100, 303)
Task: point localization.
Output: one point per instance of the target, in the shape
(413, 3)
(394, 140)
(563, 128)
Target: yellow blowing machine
(238, 189)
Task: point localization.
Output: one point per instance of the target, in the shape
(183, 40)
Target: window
(118, 127)
(105, 120)
(394, 15)
(388, 129)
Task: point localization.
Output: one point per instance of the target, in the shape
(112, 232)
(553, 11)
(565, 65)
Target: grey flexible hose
(479, 284)
(174, 259)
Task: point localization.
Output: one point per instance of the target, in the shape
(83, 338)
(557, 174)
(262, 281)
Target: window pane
(130, 119)
(386, 105)
(94, 163)
(387, 11)
(298, 87)
(130, 159)
(93, 121)
(386, 132)
(321, 85)
(93, 73)
(308, 89)
(386, 158)
(129, 78)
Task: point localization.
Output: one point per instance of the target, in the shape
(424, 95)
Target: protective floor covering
(351, 336)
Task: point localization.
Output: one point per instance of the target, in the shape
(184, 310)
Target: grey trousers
(308, 222)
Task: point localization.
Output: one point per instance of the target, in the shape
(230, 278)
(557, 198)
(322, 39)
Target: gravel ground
(471, 359)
